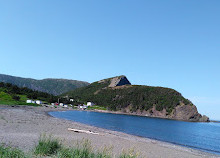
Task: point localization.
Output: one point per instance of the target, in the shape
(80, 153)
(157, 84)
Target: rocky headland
(118, 94)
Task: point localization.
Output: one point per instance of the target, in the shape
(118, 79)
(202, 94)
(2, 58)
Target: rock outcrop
(204, 118)
(181, 112)
(186, 113)
(119, 81)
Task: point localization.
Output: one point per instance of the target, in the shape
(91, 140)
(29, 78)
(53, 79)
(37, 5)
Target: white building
(32, 101)
(90, 104)
(29, 101)
(71, 99)
(83, 107)
(38, 102)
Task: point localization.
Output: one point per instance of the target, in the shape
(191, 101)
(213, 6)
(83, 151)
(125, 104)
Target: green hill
(118, 94)
(51, 86)
(13, 95)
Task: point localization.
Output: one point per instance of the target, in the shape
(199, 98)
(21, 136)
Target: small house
(29, 101)
(71, 100)
(90, 104)
(38, 102)
(82, 107)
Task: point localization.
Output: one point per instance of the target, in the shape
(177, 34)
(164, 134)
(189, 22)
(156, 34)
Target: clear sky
(170, 43)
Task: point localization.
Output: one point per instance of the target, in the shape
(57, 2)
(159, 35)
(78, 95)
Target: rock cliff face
(181, 112)
(119, 81)
(186, 112)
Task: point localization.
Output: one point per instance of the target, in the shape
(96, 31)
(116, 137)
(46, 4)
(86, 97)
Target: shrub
(50, 147)
(127, 156)
(83, 149)
(130, 154)
(16, 97)
(47, 146)
(8, 152)
(159, 107)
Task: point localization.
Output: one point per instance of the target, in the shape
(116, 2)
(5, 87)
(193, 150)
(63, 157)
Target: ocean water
(202, 136)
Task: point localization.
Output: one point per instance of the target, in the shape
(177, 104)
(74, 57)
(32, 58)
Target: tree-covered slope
(144, 100)
(51, 86)
(14, 95)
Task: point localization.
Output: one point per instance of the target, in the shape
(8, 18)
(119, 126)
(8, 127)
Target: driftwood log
(82, 131)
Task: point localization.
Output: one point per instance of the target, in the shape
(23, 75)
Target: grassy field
(7, 99)
(52, 148)
(96, 107)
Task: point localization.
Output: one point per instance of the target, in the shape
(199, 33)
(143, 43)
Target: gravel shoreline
(21, 126)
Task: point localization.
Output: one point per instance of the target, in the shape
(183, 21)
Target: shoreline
(26, 124)
(197, 149)
(124, 113)
(131, 114)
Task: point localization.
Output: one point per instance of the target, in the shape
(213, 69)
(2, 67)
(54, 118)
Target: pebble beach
(22, 126)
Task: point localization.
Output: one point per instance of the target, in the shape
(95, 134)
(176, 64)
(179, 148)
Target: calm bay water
(203, 136)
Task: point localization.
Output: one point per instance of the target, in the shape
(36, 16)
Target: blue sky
(168, 43)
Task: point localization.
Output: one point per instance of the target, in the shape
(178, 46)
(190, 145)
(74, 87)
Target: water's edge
(167, 143)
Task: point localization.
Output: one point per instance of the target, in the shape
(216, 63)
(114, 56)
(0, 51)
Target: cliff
(118, 94)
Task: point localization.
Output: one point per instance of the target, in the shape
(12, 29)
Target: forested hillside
(137, 96)
(51, 86)
(145, 100)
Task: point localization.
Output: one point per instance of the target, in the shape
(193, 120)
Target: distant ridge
(49, 85)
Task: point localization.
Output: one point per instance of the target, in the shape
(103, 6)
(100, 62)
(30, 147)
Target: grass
(96, 107)
(127, 156)
(130, 154)
(49, 147)
(8, 152)
(3, 102)
(83, 149)
(6, 99)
